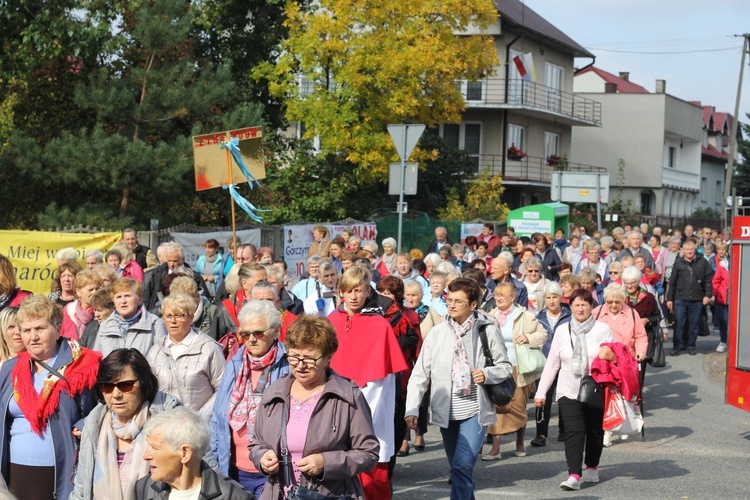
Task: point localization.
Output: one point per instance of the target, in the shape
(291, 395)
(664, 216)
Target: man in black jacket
(141, 253)
(441, 238)
(688, 290)
(175, 262)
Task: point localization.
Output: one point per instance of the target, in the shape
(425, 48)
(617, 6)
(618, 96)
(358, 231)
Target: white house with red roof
(658, 136)
(717, 129)
(518, 122)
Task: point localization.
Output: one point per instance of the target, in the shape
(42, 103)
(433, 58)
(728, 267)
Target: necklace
(300, 402)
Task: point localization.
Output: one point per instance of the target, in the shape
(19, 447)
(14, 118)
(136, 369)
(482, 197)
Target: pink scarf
(461, 369)
(244, 401)
(82, 317)
(502, 316)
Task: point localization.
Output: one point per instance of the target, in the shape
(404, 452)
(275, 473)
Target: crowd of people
(141, 377)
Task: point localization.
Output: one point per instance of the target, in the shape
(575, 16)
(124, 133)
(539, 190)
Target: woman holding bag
(524, 338)
(571, 354)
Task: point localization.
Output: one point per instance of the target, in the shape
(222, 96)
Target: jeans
(688, 316)
(251, 481)
(462, 440)
(722, 316)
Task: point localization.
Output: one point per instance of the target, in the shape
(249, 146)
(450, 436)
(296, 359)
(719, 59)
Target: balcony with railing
(529, 169)
(533, 99)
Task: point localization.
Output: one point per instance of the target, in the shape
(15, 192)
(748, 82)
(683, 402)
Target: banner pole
(231, 200)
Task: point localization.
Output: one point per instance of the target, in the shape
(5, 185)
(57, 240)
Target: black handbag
(659, 359)
(297, 492)
(500, 394)
(590, 393)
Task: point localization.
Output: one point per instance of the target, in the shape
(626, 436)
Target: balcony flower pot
(515, 154)
(554, 160)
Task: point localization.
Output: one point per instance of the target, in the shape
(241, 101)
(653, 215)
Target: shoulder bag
(500, 394)
(590, 393)
(658, 360)
(530, 361)
(296, 492)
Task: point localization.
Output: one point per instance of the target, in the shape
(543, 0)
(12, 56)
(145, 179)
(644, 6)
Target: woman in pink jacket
(720, 284)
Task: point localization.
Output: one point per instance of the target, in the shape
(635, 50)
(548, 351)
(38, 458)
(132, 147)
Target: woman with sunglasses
(320, 418)
(535, 283)
(260, 361)
(44, 393)
(110, 459)
(187, 363)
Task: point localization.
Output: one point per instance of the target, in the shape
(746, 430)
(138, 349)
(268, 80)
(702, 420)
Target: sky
(699, 28)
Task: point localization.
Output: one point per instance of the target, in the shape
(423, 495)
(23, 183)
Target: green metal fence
(418, 229)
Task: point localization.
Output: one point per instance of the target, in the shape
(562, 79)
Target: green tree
(484, 201)
(741, 179)
(146, 100)
(366, 64)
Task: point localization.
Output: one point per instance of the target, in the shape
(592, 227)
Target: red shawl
(368, 349)
(79, 375)
(233, 306)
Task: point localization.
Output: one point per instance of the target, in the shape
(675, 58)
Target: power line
(663, 52)
(670, 41)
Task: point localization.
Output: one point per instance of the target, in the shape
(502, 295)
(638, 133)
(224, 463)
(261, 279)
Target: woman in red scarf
(405, 324)
(45, 393)
(80, 313)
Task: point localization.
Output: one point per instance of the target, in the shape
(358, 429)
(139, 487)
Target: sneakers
(691, 352)
(590, 476)
(722, 347)
(607, 439)
(571, 484)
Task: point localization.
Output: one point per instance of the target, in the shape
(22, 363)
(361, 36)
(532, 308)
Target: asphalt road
(696, 447)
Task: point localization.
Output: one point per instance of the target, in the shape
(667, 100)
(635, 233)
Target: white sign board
(405, 137)
(527, 227)
(194, 242)
(467, 229)
(297, 240)
(579, 187)
(410, 180)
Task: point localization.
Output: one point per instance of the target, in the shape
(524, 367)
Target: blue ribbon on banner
(245, 205)
(233, 145)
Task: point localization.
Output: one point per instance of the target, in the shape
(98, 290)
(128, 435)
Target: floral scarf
(80, 374)
(461, 370)
(633, 300)
(244, 401)
(106, 477)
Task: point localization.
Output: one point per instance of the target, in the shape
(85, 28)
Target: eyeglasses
(171, 317)
(457, 302)
(532, 271)
(258, 334)
(307, 362)
(630, 283)
(613, 301)
(122, 386)
(614, 272)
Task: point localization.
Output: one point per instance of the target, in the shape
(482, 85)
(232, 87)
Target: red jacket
(720, 283)
(622, 374)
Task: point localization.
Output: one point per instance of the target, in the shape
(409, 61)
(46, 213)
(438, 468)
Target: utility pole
(733, 138)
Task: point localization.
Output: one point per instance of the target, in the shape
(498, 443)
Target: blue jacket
(550, 259)
(565, 317)
(221, 433)
(61, 423)
(522, 296)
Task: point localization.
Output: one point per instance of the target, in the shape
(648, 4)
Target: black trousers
(542, 424)
(583, 431)
(399, 431)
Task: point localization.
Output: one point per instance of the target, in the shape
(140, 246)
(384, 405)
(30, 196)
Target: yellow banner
(33, 253)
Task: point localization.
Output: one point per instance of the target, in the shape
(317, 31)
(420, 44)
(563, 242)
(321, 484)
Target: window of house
(719, 193)
(473, 91)
(551, 144)
(672, 159)
(704, 189)
(451, 134)
(554, 82)
(467, 136)
(517, 137)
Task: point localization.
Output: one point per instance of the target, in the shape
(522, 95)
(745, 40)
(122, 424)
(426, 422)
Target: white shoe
(722, 347)
(490, 458)
(607, 439)
(624, 437)
(590, 476)
(571, 484)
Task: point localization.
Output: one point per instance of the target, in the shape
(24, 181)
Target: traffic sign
(405, 138)
(410, 181)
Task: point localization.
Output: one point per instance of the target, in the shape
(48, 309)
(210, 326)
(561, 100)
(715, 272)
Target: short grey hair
(174, 247)
(354, 237)
(181, 426)
(606, 242)
(264, 285)
(275, 271)
(675, 239)
(415, 286)
(67, 253)
(614, 290)
(179, 303)
(389, 241)
(553, 288)
(327, 266)
(96, 253)
(162, 249)
(592, 244)
(588, 274)
(262, 309)
(314, 260)
(432, 258)
(631, 273)
(504, 257)
(534, 263)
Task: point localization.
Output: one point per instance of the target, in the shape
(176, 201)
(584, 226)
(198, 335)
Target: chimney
(661, 86)
(610, 88)
(625, 75)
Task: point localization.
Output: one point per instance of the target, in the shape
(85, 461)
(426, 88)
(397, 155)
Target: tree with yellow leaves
(350, 67)
(484, 201)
